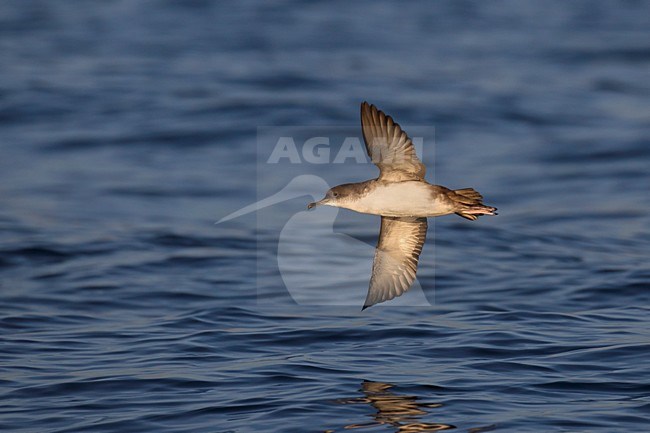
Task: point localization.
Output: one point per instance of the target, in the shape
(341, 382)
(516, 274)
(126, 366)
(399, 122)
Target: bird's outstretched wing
(396, 257)
(389, 147)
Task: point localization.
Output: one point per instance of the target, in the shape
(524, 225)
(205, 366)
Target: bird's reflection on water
(403, 412)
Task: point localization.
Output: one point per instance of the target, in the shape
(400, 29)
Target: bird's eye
(335, 194)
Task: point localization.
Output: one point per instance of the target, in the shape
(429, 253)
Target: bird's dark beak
(317, 203)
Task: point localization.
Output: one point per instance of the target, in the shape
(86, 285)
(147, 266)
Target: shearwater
(403, 199)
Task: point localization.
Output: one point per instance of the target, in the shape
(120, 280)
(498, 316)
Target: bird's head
(334, 197)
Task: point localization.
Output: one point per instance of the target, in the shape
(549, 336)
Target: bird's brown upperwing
(389, 147)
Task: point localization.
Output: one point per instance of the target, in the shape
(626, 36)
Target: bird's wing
(396, 258)
(389, 147)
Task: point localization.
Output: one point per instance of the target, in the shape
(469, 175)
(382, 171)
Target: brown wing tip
(375, 115)
(368, 110)
(372, 109)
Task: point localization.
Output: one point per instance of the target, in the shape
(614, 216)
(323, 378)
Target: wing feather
(389, 147)
(396, 258)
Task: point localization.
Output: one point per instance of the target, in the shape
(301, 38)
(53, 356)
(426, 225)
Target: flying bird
(403, 199)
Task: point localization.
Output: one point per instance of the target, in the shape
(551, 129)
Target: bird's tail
(471, 203)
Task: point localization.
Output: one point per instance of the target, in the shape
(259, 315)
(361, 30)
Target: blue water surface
(127, 128)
